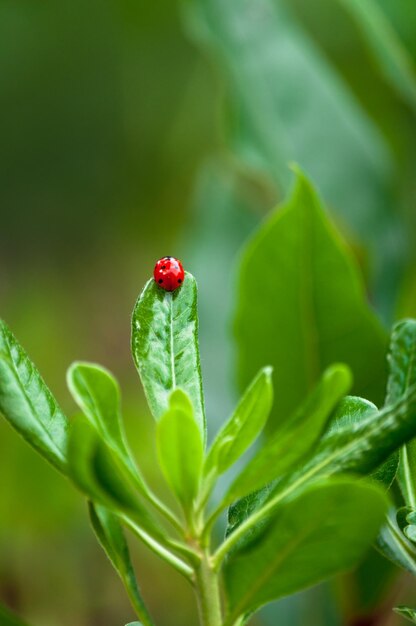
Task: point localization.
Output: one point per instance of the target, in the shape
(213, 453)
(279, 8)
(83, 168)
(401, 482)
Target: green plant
(298, 512)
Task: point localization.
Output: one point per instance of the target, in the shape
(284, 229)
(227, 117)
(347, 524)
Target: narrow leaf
(110, 535)
(180, 448)
(27, 403)
(245, 424)
(402, 362)
(407, 613)
(289, 444)
(165, 346)
(313, 305)
(98, 395)
(356, 448)
(310, 538)
(102, 478)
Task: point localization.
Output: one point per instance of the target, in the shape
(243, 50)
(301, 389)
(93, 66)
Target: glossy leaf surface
(98, 395)
(311, 537)
(295, 438)
(110, 535)
(313, 305)
(402, 362)
(165, 346)
(101, 477)
(245, 424)
(357, 448)
(180, 448)
(27, 403)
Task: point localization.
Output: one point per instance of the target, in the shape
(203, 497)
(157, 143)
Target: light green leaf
(110, 535)
(102, 477)
(315, 535)
(180, 448)
(407, 613)
(394, 60)
(244, 425)
(98, 395)
(27, 403)
(134, 624)
(9, 619)
(165, 346)
(402, 362)
(290, 443)
(356, 448)
(311, 305)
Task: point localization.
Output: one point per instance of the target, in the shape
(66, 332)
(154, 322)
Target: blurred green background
(131, 130)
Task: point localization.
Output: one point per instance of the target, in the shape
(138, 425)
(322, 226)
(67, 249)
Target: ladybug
(169, 273)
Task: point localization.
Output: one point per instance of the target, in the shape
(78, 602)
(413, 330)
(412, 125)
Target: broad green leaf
(407, 613)
(98, 395)
(402, 362)
(302, 305)
(101, 477)
(180, 448)
(9, 619)
(394, 60)
(27, 403)
(315, 535)
(244, 425)
(288, 444)
(165, 346)
(358, 448)
(110, 535)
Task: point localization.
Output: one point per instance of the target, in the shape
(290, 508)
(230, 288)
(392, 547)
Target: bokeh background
(131, 130)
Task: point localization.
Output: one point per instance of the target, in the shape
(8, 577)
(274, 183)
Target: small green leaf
(98, 395)
(27, 403)
(393, 544)
(407, 613)
(110, 535)
(180, 448)
(311, 537)
(134, 624)
(165, 346)
(245, 424)
(102, 478)
(9, 619)
(402, 362)
(301, 294)
(289, 444)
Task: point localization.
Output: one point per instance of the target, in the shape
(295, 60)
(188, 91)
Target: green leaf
(9, 619)
(180, 448)
(407, 613)
(244, 425)
(310, 538)
(289, 444)
(134, 624)
(311, 305)
(394, 60)
(27, 403)
(98, 395)
(110, 535)
(402, 362)
(356, 448)
(165, 346)
(352, 410)
(102, 477)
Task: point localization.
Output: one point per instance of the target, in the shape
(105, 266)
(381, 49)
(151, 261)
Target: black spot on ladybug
(163, 267)
(160, 280)
(179, 280)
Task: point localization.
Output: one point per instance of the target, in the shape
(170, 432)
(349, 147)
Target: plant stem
(208, 593)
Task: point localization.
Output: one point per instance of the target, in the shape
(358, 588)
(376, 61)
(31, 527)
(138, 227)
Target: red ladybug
(169, 273)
